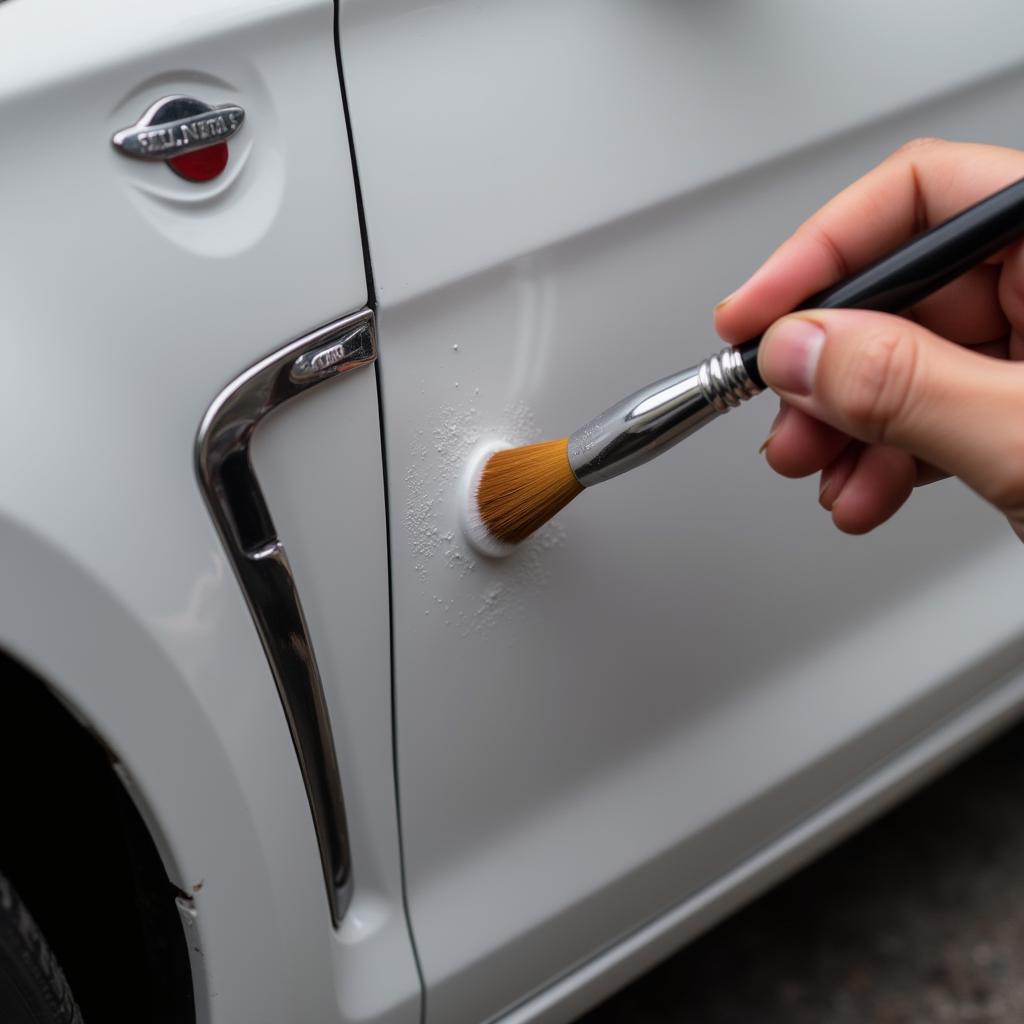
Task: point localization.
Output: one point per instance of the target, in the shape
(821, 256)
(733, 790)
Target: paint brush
(510, 492)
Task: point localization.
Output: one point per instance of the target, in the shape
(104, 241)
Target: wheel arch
(192, 729)
(84, 861)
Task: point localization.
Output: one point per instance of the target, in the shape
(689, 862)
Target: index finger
(922, 184)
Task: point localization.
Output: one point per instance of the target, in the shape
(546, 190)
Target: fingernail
(727, 299)
(835, 476)
(789, 355)
(755, 276)
(826, 483)
(774, 428)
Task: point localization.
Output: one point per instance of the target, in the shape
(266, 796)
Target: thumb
(885, 380)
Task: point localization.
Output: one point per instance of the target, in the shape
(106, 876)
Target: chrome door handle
(240, 512)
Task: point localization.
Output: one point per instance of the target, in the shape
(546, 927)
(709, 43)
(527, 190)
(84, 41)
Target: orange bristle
(522, 488)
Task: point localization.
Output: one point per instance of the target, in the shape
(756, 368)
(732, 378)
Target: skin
(890, 403)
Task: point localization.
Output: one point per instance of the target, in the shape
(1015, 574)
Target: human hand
(879, 404)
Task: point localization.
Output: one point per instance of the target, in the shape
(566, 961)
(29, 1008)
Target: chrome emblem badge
(187, 133)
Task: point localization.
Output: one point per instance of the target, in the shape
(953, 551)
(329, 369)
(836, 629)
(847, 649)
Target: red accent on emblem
(203, 164)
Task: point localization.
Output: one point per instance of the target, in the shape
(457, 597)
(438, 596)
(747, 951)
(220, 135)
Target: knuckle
(879, 383)
(829, 248)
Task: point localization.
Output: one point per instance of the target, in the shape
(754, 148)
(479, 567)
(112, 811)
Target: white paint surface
(601, 731)
(128, 298)
(563, 189)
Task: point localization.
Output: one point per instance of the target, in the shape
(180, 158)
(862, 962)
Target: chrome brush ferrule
(657, 417)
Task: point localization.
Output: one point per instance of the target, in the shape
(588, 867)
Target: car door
(690, 662)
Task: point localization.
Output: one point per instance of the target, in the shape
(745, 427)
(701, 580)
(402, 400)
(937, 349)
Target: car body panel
(128, 299)
(685, 687)
(689, 662)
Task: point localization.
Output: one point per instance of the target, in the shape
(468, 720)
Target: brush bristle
(522, 488)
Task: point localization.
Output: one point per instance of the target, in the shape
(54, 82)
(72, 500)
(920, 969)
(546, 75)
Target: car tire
(33, 989)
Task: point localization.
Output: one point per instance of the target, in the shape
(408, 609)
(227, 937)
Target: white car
(250, 305)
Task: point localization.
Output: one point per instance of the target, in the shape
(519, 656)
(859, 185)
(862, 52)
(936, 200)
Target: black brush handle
(922, 266)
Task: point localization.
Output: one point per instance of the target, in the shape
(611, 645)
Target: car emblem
(189, 134)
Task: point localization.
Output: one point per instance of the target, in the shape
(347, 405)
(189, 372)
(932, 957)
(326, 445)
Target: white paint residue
(522, 575)
(486, 590)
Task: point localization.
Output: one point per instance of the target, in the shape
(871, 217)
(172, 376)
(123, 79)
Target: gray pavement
(917, 920)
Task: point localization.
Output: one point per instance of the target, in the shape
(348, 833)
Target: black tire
(33, 989)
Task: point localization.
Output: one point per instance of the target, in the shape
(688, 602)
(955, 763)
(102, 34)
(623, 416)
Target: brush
(510, 492)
